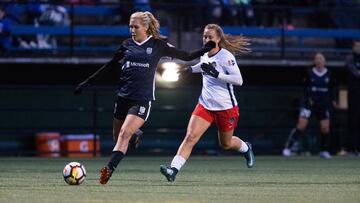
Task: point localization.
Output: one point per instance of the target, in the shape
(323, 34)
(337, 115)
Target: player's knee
(190, 138)
(125, 134)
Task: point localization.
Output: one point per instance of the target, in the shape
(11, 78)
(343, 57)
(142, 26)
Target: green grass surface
(203, 179)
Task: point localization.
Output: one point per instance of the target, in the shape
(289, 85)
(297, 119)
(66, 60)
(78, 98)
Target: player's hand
(210, 45)
(335, 105)
(184, 71)
(209, 69)
(80, 87)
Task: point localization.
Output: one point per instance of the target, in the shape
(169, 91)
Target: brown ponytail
(236, 44)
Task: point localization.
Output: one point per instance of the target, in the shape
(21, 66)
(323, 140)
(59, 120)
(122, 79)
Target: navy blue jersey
(137, 81)
(319, 87)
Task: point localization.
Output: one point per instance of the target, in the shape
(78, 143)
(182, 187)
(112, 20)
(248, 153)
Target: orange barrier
(79, 145)
(48, 144)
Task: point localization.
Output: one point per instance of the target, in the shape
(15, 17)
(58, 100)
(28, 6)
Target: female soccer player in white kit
(217, 102)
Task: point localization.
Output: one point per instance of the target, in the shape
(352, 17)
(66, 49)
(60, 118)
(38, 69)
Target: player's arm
(190, 69)
(232, 73)
(351, 67)
(233, 77)
(118, 58)
(196, 68)
(187, 56)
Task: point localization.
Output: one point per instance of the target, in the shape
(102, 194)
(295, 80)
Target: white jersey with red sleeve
(218, 93)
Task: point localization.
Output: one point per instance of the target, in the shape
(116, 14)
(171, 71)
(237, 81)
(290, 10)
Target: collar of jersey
(141, 43)
(319, 73)
(214, 54)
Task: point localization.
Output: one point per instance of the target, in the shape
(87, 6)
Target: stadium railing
(80, 36)
(299, 33)
(123, 31)
(76, 31)
(266, 124)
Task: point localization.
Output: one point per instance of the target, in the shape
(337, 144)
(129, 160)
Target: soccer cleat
(169, 173)
(105, 174)
(135, 139)
(286, 152)
(249, 156)
(325, 155)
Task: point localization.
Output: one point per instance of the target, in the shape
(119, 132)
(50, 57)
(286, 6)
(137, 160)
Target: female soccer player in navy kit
(138, 57)
(217, 102)
(318, 100)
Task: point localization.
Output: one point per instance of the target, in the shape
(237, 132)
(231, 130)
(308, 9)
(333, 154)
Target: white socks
(177, 162)
(243, 147)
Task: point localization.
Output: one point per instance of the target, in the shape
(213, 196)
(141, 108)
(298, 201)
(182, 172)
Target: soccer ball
(74, 173)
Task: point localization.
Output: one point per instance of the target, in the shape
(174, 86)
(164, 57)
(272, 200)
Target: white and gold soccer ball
(74, 173)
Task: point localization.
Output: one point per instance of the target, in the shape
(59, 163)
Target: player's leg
(122, 106)
(323, 114)
(134, 115)
(324, 139)
(131, 124)
(226, 121)
(135, 138)
(116, 128)
(228, 141)
(196, 128)
(357, 133)
(297, 132)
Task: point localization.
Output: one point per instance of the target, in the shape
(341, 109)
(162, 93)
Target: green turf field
(203, 179)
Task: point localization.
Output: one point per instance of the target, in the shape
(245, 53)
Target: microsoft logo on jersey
(137, 64)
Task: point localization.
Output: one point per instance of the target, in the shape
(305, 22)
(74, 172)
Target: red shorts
(225, 120)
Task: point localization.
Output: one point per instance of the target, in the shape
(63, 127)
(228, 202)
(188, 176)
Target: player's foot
(169, 173)
(325, 155)
(286, 152)
(342, 152)
(249, 156)
(135, 139)
(105, 174)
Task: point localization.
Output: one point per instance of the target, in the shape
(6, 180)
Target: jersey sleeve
(120, 52)
(196, 68)
(118, 58)
(351, 67)
(232, 72)
(173, 52)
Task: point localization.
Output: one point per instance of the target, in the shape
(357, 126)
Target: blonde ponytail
(148, 19)
(154, 25)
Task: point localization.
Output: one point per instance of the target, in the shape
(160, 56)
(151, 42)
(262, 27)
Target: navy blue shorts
(123, 107)
(321, 111)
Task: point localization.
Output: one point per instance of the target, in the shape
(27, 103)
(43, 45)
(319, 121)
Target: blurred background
(48, 47)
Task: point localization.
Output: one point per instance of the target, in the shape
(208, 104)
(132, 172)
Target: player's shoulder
(226, 57)
(226, 53)
(162, 43)
(127, 41)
